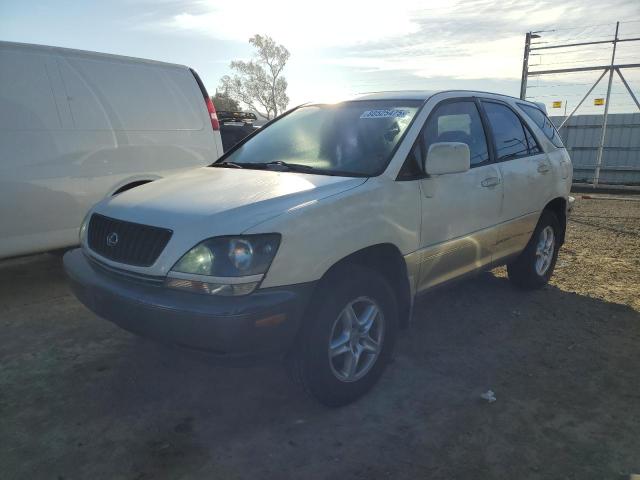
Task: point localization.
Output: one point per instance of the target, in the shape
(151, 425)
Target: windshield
(351, 138)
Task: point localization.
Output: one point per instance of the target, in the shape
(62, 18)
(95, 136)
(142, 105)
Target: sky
(339, 47)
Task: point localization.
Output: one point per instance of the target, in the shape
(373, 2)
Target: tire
(326, 377)
(534, 267)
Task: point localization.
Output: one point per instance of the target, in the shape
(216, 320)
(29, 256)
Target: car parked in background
(313, 237)
(234, 126)
(77, 126)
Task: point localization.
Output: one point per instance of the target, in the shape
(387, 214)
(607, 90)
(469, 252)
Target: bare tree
(258, 83)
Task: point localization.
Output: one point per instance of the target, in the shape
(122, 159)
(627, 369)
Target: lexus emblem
(112, 239)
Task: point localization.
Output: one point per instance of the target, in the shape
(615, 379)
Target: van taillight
(212, 113)
(215, 123)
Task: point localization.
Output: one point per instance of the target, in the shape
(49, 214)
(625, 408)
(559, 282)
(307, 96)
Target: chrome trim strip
(218, 280)
(148, 279)
(135, 269)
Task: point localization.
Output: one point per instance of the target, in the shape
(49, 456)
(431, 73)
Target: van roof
(73, 51)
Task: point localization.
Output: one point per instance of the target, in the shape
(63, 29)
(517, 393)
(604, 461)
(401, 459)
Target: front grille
(121, 273)
(126, 242)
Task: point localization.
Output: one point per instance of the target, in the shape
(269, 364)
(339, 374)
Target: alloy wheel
(545, 250)
(356, 339)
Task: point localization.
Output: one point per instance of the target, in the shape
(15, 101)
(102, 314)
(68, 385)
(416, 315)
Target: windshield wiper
(286, 166)
(294, 167)
(265, 165)
(226, 165)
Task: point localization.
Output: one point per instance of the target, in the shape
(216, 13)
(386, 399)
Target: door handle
(490, 182)
(543, 168)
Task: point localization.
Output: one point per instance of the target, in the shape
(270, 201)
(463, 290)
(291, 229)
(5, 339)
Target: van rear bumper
(244, 327)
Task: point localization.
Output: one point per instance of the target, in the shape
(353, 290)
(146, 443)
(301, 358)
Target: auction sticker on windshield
(384, 114)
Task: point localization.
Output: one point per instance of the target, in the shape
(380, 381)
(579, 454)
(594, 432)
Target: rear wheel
(348, 341)
(534, 267)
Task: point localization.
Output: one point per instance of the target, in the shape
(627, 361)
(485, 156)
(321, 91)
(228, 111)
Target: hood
(221, 201)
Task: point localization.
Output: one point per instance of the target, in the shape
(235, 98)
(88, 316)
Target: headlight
(225, 265)
(198, 260)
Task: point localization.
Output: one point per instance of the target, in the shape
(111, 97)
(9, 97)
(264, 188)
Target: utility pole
(525, 67)
(596, 177)
(602, 69)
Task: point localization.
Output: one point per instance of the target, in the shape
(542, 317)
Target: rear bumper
(223, 326)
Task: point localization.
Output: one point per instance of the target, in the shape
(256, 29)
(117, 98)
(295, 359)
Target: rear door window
(509, 134)
(534, 148)
(543, 122)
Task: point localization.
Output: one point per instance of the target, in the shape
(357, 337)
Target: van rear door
(39, 191)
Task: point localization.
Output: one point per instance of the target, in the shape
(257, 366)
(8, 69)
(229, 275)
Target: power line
(596, 95)
(581, 49)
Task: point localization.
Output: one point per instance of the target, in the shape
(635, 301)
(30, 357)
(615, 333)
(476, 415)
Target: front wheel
(348, 341)
(534, 267)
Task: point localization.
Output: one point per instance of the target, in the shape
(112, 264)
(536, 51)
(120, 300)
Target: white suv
(313, 236)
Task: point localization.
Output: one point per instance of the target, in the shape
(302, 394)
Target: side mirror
(447, 157)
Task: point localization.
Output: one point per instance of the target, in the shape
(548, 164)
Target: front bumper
(225, 326)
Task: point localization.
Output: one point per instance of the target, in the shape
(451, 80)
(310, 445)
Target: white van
(312, 237)
(76, 127)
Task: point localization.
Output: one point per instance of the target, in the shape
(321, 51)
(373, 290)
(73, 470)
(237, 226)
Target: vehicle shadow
(604, 223)
(95, 401)
(29, 279)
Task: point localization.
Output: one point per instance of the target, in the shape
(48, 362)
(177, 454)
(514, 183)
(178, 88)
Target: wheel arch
(130, 185)
(558, 206)
(386, 259)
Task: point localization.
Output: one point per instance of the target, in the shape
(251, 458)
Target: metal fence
(594, 69)
(621, 151)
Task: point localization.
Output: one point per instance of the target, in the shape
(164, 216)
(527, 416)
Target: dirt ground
(81, 399)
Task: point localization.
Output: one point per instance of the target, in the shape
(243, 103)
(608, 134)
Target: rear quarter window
(542, 121)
